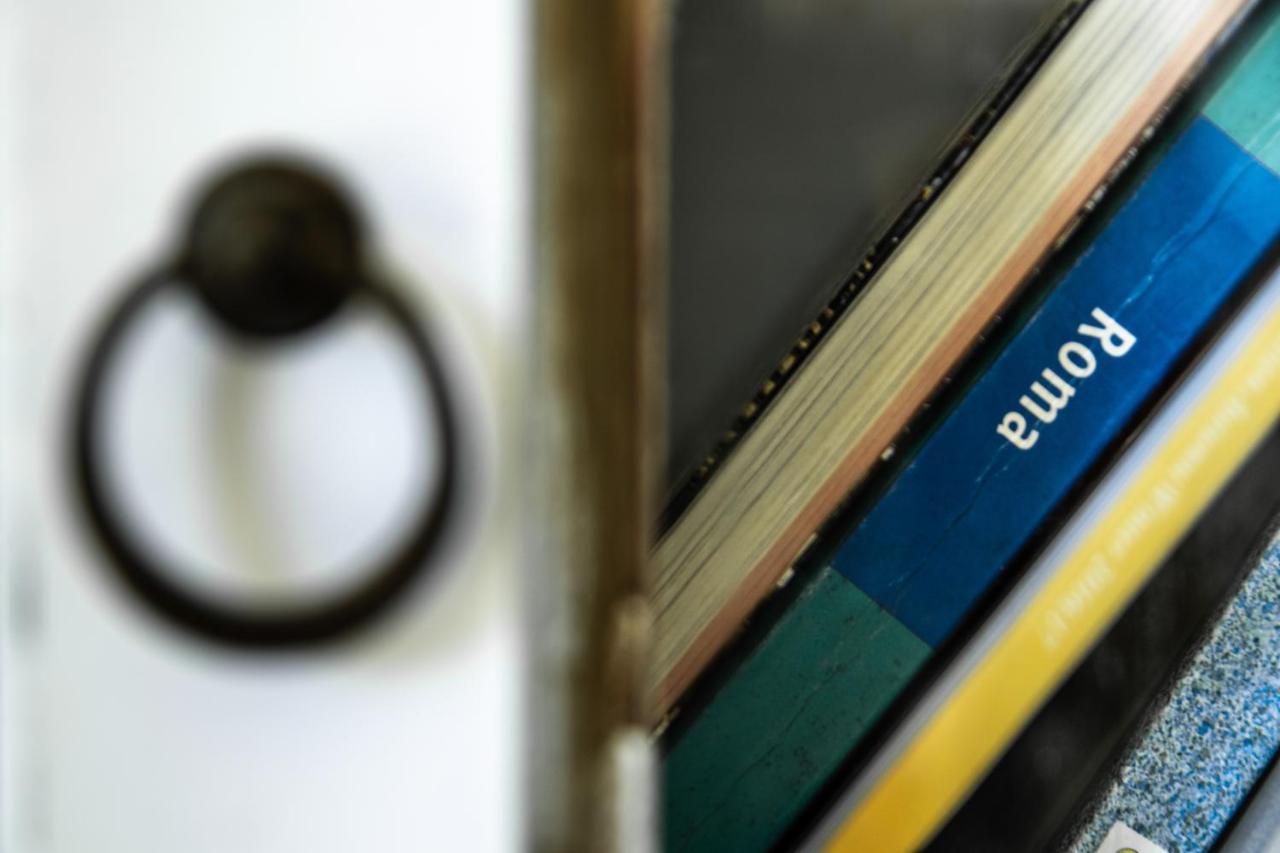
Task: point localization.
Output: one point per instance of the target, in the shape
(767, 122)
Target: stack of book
(925, 590)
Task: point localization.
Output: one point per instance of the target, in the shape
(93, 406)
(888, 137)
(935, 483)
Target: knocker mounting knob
(273, 248)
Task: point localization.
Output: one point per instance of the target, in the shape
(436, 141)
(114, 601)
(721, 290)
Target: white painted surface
(119, 734)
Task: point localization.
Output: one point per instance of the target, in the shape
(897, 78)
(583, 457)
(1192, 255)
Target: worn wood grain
(598, 209)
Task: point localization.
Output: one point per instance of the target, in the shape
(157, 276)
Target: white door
(257, 471)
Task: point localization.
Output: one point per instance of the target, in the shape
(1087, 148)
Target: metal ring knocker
(272, 249)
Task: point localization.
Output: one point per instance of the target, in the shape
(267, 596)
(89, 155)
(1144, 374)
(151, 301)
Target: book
(1206, 433)
(1014, 197)
(1174, 254)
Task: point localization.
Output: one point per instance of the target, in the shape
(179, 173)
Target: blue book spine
(1067, 384)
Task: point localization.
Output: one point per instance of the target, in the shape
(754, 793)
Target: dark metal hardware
(273, 249)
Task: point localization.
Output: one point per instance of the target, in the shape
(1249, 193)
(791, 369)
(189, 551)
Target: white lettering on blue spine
(1077, 360)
